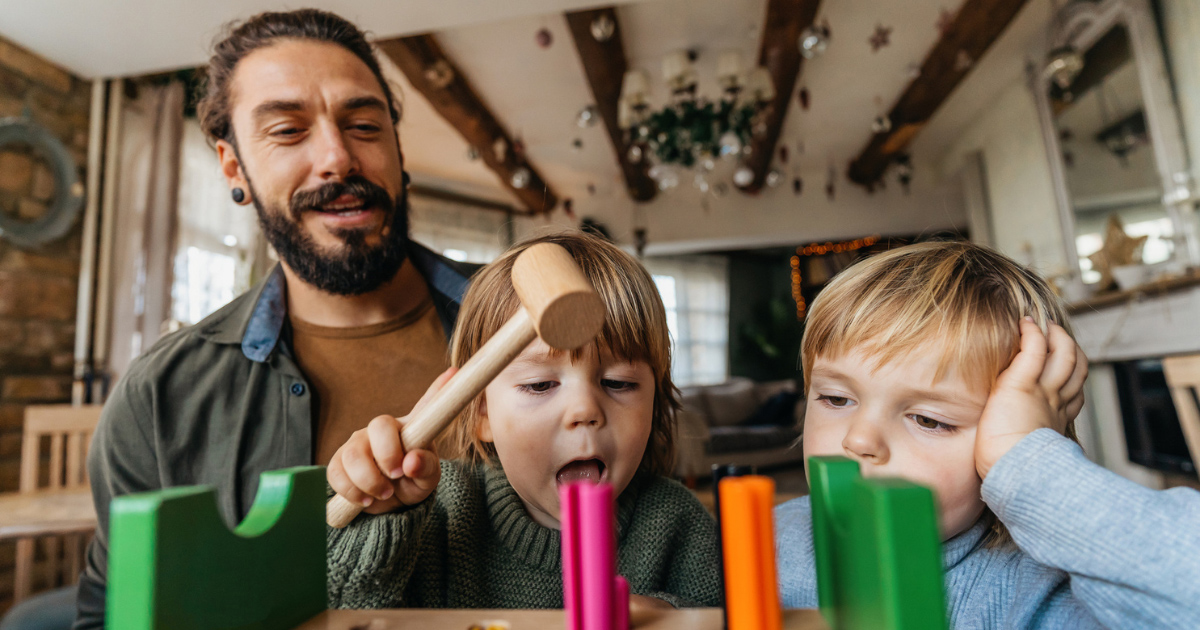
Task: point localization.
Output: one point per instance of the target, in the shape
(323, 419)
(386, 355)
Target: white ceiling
(536, 92)
(95, 38)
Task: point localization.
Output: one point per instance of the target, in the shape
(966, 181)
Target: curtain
(695, 294)
(146, 220)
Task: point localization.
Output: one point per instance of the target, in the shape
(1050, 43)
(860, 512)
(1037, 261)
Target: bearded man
(352, 323)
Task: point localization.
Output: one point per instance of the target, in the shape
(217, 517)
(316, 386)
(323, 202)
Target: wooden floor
(687, 619)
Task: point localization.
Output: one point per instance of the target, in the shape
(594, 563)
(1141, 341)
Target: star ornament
(880, 38)
(1119, 249)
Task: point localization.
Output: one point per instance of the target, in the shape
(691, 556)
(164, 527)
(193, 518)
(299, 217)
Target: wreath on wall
(68, 193)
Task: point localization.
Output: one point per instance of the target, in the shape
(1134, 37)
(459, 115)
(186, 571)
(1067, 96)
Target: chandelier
(691, 131)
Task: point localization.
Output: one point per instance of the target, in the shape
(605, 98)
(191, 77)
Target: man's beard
(354, 267)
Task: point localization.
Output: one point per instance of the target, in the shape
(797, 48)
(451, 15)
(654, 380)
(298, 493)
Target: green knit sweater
(473, 545)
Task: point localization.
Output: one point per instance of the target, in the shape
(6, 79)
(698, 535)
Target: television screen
(1152, 431)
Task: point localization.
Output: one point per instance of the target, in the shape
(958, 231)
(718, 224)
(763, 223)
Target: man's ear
(231, 168)
(485, 425)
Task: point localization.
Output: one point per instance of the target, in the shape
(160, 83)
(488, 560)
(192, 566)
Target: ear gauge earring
(238, 195)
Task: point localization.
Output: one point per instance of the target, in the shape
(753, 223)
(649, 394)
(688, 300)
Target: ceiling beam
(978, 24)
(780, 55)
(441, 82)
(441, 194)
(605, 65)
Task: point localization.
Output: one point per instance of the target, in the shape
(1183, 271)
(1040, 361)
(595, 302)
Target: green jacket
(218, 404)
(473, 545)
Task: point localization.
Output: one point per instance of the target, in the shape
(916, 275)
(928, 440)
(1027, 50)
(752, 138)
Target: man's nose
(333, 159)
(584, 410)
(865, 442)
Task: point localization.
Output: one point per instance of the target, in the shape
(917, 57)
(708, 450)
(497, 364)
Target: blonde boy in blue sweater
(948, 364)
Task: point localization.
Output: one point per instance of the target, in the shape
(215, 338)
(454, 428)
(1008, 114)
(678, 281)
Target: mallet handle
(424, 426)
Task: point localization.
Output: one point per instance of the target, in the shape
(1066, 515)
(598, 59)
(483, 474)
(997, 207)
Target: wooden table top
(46, 513)
(645, 619)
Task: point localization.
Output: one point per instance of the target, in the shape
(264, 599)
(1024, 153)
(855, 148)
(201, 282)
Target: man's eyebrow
(365, 102)
(267, 108)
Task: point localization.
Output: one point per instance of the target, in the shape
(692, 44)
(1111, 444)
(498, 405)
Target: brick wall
(37, 288)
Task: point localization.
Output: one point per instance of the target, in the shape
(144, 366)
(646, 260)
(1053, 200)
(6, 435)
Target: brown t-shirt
(366, 371)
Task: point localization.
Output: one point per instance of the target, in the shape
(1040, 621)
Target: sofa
(738, 422)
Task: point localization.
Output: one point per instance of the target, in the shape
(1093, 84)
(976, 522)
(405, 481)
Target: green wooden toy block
(878, 551)
(173, 563)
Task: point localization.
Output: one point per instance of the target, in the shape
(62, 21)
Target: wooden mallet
(560, 306)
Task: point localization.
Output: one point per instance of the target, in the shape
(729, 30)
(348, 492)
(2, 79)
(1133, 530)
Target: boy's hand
(374, 469)
(1041, 388)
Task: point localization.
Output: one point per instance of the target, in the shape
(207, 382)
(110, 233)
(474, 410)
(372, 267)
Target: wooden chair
(1183, 377)
(69, 432)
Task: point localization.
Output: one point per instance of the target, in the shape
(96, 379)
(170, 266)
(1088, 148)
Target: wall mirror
(1113, 135)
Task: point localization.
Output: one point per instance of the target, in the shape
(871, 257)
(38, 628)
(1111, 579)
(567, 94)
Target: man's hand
(1041, 388)
(374, 469)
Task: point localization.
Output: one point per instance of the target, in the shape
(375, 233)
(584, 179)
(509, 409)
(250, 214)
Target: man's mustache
(371, 194)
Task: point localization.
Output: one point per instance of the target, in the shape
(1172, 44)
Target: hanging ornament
(803, 96)
(587, 117)
(521, 178)
(472, 153)
(880, 38)
(634, 154)
(881, 124)
(603, 27)
(569, 208)
(743, 177)
(945, 21)
(440, 74)
(963, 62)
(666, 176)
(783, 155)
(544, 38)
(730, 144)
(577, 144)
(904, 171)
(774, 178)
(1063, 65)
(814, 40)
(668, 181)
(797, 185)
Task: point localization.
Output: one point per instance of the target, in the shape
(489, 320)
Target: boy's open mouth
(591, 470)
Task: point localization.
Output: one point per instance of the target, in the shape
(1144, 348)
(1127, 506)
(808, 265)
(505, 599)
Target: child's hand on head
(1041, 388)
(375, 470)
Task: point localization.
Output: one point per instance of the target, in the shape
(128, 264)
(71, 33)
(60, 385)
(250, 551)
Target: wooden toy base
(415, 619)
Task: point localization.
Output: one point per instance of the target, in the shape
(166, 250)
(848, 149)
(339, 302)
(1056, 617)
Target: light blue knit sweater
(1093, 550)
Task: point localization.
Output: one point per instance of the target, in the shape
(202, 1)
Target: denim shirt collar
(262, 326)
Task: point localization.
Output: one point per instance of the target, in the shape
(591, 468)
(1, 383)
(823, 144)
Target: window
(695, 293)
(456, 231)
(217, 239)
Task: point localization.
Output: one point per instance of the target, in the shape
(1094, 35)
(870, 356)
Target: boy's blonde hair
(961, 299)
(635, 329)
